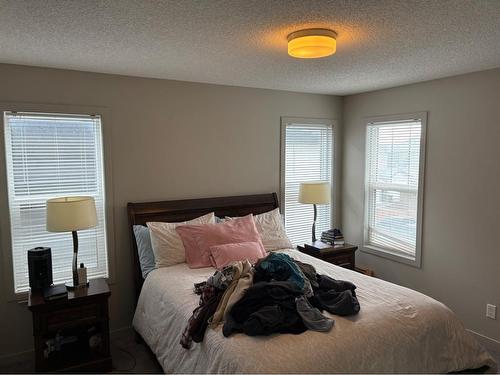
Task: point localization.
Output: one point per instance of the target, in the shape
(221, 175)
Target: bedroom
(191, 96)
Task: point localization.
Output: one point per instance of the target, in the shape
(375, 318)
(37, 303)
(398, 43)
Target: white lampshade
(314, 192)
(70, 214)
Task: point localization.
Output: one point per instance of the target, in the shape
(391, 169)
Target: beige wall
(166, 140)
(461, 217)
(169, 140)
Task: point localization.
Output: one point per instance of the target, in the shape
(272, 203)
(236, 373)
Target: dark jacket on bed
(271, 306)
(335, 296)
(287, 297)
(266, 308)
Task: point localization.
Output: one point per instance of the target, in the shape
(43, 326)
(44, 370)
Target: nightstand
(343, 256)
(72, 334)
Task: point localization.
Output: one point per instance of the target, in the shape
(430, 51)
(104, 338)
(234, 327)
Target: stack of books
(333, 237)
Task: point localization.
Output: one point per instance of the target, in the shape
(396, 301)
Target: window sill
(392, 255)
(21, 298)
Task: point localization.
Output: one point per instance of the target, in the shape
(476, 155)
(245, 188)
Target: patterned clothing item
(210, 293)
(198, 322)
(242, 280)
(221, 279)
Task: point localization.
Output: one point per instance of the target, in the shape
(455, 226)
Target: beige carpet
(131, 357)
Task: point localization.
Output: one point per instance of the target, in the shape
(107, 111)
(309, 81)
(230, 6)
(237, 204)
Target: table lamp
(314, 193)
(69, 214)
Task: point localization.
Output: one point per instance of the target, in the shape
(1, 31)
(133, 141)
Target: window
(52, 155)
(307, 149)
(393, 187)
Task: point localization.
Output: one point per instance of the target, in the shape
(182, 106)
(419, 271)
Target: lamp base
(71, 286)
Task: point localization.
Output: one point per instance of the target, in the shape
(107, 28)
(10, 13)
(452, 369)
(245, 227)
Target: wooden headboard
(187, 209)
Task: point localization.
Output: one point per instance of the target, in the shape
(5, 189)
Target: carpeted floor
(132, 357)
(128, 357)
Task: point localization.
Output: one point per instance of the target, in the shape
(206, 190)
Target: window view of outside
(308, 157)
(52, 156)
(392, 185)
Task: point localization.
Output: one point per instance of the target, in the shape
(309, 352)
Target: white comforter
(397, 330)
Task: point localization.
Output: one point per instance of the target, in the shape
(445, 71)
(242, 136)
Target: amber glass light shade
(312, 43)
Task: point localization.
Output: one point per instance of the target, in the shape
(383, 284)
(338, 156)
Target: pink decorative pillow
(223, 255)
(198, 239)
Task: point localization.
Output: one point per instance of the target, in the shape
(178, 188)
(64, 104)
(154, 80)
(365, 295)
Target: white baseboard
(29, 355)
(490, 343)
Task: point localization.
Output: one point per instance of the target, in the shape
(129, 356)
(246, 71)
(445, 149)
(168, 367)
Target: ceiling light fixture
(312, 43)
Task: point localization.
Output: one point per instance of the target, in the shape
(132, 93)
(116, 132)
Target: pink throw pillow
(198, 239)
(223, 255)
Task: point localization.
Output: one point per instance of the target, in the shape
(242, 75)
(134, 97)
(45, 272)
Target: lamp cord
(130, 355)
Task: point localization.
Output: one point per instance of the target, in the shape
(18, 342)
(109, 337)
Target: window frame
(333, 183)
(8, 294)
(384, 252)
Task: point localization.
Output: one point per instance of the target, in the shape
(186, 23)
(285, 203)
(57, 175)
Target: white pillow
(272, 231)
(166, 243)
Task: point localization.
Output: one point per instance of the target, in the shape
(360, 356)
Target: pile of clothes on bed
(276, 295)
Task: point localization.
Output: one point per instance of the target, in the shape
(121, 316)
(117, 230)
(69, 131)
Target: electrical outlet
(491, 311)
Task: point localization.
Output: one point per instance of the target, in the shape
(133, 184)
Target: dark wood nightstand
(78, 325)
(343, 256)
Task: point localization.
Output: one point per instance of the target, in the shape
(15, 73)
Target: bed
(397, 329)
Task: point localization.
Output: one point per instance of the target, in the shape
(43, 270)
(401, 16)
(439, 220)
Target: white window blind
(308, 150)
(52, 155)
(392, 186)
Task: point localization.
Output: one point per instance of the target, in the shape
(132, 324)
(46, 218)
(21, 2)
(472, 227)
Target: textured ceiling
(381, 43)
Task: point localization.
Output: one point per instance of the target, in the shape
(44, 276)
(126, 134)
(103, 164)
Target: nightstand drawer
(343, 256)
(341, 260)
(71, 317)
